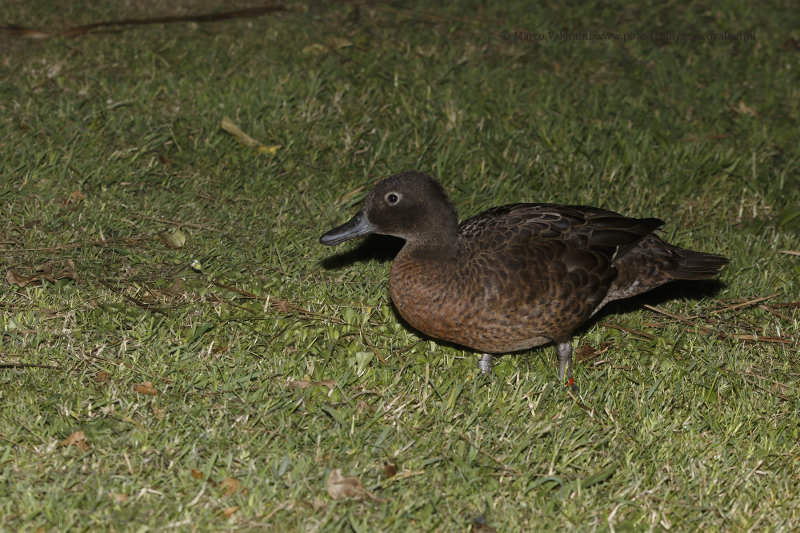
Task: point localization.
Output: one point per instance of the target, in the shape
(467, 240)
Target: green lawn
(218, 384)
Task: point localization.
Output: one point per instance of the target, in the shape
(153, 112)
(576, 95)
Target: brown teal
(515, 276)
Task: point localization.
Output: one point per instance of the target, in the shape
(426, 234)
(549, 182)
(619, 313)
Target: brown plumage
(516, 276)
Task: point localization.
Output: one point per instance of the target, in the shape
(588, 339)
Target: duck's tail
(689, 264)
(651, 262)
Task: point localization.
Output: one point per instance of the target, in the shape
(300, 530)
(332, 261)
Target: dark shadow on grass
(674, 290)
(373, 248)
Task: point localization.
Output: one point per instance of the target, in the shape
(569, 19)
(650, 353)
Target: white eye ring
(393, 198)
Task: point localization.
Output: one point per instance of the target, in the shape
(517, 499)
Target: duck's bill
(355, 227)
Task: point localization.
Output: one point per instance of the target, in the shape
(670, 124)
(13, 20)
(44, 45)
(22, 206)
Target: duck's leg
(564, 350)
(485, 364)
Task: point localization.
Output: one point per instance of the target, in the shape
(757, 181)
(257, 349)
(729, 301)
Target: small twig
(139, 303)
(104, 243)
(758, 386)
(673, 316)
(29, 365)
(80, 30)
(748, 303)
(237, 291)
(371, 347)
(787, 304)
(628, 330)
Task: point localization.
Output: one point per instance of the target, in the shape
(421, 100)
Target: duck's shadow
(373, 248)
(674, 290)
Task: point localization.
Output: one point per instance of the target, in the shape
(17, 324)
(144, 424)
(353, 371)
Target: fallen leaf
(173, 239)
(77, 439)
(337, 43)
(102, 376)
(315, 49)
(44, 272)
(341, 487)
(146, 388)
(18, 279)
(67, 270)
(197, 474)
(780, 388)
(230, 511)
(587, 351)
(228, 126)
(229, 486)
(304, 384)
(362, 407)
(791, 252)
(389, 469)
(176, 289)
(744, 109)
(74, 198)
(119, 497)
(318, 503)
(479, 525)
(790, 44)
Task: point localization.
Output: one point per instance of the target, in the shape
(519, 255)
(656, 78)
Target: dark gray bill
(355, 227)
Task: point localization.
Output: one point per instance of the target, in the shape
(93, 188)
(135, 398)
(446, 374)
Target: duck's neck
(439, 245)
(433, 236)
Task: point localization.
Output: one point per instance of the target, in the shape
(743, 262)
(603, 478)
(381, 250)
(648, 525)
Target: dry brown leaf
(587, 351)
(119, 497)
(176, 289)
(304, 384)
(44, 272)
(230, 511)
(197, 474)
(229, 486)
(341, 487)
(18, 279)
(479, 525)
(74, 198)
(146, 388)
(362, 407)
(77, 439)
(315, 49)
(781, 389)
(318, 503)
(337, 43)
(389, 469)
(791, 252)
(744, 109)
(102, 376)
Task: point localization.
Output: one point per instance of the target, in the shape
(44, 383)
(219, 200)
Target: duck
(516, 276)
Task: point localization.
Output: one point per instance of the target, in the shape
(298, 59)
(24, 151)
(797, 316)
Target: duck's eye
(392, 198)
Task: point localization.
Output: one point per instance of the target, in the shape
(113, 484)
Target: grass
(217, 385)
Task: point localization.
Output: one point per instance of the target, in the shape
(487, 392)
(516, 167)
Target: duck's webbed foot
(485, 364)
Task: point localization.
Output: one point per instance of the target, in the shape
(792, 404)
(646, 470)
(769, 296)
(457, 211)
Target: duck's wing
(576, 226)
(557, 261)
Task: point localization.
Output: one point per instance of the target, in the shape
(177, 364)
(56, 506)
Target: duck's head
(411, 205)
